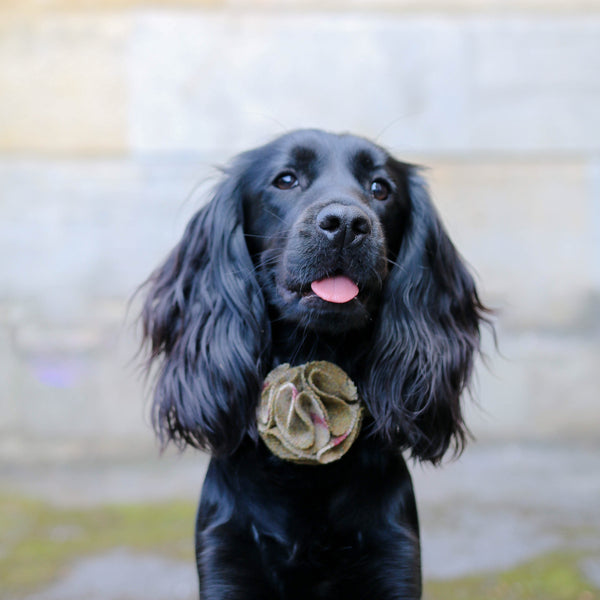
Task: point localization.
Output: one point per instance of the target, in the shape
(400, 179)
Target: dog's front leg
(229, 566)
(389, 568)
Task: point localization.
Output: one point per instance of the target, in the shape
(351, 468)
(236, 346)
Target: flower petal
(309, 413)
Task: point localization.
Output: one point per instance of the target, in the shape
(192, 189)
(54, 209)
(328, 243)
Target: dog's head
(326, 234)
(323, 219)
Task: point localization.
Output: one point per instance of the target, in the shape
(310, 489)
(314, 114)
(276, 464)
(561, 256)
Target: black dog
(237, 297)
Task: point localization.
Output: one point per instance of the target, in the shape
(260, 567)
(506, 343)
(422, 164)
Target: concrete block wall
(113, 114)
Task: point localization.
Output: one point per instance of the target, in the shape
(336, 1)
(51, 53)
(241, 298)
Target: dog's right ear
(205, 323)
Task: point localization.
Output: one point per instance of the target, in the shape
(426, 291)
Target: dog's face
(323, 218)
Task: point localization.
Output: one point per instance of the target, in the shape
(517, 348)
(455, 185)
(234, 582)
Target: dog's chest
(311, 557)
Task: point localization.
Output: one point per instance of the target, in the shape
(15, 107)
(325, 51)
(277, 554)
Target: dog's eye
(285, 181)
(380, 189)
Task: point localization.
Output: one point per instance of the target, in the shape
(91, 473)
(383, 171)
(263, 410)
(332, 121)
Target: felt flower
(309, 414)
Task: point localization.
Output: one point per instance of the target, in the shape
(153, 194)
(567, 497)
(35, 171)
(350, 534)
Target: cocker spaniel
(315, 247)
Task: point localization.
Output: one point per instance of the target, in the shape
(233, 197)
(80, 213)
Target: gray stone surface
(523, 72)
(122, 575)
(502, 504)
(64, 80)
(540, 385)
(534, 257)
(77, 238)
(434, 84)
(591, 569)
(92, 227)
(275, 78)
(94, 482)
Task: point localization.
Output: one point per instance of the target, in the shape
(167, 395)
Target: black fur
(233, 301)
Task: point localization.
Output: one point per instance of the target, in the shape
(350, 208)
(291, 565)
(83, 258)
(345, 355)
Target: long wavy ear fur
(426, 336)
(205, 322)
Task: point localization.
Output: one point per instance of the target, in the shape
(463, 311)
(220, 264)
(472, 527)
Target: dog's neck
(297, 345)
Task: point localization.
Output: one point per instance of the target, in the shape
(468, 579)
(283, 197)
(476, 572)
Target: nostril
(329, 222)
(361, 225)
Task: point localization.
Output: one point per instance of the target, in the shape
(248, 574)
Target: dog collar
(309, 414)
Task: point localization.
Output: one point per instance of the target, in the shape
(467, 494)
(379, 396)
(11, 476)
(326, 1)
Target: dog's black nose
(343, 224)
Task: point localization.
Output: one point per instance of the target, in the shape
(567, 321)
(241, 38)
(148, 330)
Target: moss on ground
(554, 576)
(38, 542)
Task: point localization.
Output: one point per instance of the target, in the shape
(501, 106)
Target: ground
(511, 522)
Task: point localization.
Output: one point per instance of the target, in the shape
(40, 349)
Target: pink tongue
(335, 289)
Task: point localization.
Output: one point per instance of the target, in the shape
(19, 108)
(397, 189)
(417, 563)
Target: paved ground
(496, 507)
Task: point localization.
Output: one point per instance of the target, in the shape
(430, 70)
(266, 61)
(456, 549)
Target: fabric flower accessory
(309, 414)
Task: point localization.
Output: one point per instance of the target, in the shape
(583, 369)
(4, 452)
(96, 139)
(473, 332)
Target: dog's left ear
(426, 336)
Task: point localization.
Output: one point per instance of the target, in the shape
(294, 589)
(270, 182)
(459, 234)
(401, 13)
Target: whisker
(271, 260)
(265, 237)
(395, 264)
(270, 212)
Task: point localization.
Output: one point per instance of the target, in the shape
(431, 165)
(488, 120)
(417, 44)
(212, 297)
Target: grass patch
(554, 576)
(38, 541)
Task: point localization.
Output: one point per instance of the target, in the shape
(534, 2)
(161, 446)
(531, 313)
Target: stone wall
(113, 114)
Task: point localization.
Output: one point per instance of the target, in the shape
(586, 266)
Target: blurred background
(113, 117)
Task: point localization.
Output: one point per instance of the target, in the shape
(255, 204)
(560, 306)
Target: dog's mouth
(329, 295)
(327, 292)
(331, 303)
